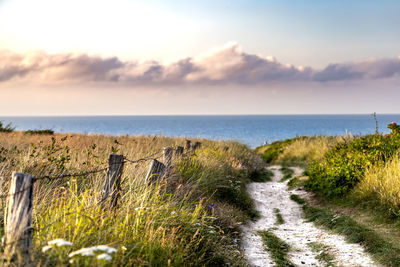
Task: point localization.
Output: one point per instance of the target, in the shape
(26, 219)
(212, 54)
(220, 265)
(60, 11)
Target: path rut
(295, 231)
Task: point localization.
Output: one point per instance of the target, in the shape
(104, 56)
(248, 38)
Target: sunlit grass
(190, 217)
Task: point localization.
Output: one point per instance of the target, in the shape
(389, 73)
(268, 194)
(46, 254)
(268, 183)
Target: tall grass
(188, 218)
(305, 150)
(382, 181)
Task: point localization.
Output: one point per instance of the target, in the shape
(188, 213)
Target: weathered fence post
(167, 156)
(155, 172)
(18, 215)
(196, 146)
(179, 151)
(113, 180)
(187, 146)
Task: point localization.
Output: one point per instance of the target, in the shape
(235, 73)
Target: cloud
(369, 69)
(223, 65)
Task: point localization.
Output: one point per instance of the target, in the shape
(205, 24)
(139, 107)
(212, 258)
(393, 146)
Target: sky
(126, 57)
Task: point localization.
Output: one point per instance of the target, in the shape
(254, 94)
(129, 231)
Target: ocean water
(252, 130)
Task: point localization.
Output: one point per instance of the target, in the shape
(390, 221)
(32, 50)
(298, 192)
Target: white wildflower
(46, 248)
(104, 248)
(173, 213)
(59, 242)
(82, 252)
(90, 250)
(197, 224)
(211, 232)
(211, 227)
(104, 256)
(71, 261)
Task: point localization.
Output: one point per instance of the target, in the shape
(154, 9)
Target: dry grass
(383, 182)
(192, 214)
(305, 150)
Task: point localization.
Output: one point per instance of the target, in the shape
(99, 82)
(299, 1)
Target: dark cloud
(224, 65)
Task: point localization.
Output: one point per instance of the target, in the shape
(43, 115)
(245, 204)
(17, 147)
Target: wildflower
(59, 242)
(197, 224)
(90, 250)
(46, 248)
(173, 213)
(104, 256)
(211, 232)
(123, 248)
(393, 123)
(104, 248)
(82, 252)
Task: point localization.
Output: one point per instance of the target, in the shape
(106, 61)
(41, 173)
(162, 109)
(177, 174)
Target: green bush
(344, 165)
(6, 128)
(42, 132)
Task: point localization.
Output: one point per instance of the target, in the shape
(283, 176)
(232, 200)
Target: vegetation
(279, 218)
(272, 151)
(278, 248)
(287, 173)
(299, 151)
(345, 164)
(6, 128)
(382, 250)
(192, 214)
(45, 131)
(324, 254)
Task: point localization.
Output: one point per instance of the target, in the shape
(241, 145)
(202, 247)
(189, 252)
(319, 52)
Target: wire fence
(153, 156)
(111, 188)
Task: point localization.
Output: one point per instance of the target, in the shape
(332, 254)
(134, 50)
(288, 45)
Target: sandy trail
(295, 231)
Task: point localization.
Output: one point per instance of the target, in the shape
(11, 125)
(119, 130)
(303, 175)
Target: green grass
(278, 249)
(279, 218)
(261, 176)
(297, 199)
(190, 218)
(287, 173)
(324, 256)
(383, 251)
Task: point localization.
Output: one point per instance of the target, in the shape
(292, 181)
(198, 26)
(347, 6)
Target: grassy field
(189, 218)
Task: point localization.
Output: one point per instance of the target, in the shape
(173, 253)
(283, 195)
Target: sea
(252, 130)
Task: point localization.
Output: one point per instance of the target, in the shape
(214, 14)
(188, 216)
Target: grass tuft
(278, 248)
(279, 218)
(287, 173)
(297, 199)
(324, 255)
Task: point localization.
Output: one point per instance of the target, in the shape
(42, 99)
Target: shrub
(344, 165)
(6, 128)
(45, 131)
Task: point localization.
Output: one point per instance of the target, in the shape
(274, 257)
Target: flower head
(59, 242)
(104, 256)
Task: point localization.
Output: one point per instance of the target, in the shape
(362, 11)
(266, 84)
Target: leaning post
(156, 171)
(18, 216)
(112, 187)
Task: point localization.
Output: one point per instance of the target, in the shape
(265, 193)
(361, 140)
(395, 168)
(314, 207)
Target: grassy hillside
(189, 218)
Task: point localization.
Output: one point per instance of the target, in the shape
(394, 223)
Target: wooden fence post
(196, 146)
(113, 180)
(179, 151)
(167, 156)
(187, 146)
(18, 215)
(156, 171)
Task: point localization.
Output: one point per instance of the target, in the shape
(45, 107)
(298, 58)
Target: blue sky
(319, 50)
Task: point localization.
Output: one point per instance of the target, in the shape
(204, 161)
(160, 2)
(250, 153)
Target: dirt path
(294, 231)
